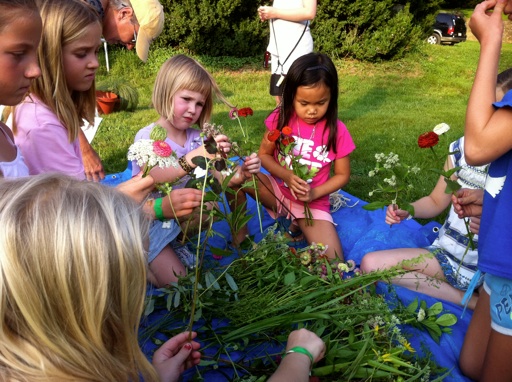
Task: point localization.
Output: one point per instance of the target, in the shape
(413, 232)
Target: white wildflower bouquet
(149, 153)
(396, 182)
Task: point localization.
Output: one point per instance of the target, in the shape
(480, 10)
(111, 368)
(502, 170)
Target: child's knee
(369, 263)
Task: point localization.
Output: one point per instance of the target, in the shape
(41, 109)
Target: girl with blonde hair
(73, 271)
(183, 96)
(48, 121)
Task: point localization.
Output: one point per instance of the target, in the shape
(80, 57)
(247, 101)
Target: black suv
(449, 28)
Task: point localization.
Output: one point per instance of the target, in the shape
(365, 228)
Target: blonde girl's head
(72, 281)
(64, 22)
(181, 72)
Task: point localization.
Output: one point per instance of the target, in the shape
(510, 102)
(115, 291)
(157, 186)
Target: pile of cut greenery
(250, 305)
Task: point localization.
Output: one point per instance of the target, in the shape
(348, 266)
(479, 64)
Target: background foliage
(214, 27)
(366, 30)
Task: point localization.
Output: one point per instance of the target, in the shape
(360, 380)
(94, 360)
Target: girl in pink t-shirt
(307, 116)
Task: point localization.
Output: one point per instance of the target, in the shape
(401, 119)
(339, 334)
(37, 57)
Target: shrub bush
(214, 27)
(366, 30)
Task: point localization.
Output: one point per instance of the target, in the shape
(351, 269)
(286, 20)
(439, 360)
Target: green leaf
(433, 329)
(451, 186)
(447, 319)
(194, 183)
(200, 161)
(215, 185)
(210, 145)
(220, 251)
(211, 281)
(304, 281)
(220, 165)
(177, 297)
(375, 206)
(289, 278)
(435, 309)
(198, 314)
(413, 306)
(409, 208)
(150, 307)
(231, 282)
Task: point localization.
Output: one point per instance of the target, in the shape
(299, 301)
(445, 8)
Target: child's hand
(297, 186)
(486, 25)
(251, 165)
(137, 187)
(395, 215)
(223, 143)
(175, 356)
(468, 202)
(307, 196)
(309, 340)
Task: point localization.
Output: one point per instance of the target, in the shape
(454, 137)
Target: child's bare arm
(171, 174)
(487, 130)
(437, 201)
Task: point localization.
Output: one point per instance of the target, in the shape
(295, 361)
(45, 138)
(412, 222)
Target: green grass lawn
(385, 106)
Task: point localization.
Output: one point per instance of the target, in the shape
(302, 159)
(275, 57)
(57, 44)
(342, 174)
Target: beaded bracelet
(301, 350)
(184, 165)
(157, 207)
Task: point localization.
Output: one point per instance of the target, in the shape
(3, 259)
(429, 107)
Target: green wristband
(157, 207)
(301, 350)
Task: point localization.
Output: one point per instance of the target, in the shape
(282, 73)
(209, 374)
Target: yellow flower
(407, 345)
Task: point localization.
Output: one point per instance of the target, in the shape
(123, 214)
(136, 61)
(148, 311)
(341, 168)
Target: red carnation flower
(245, 111)
(287, 140)
(162, 149)
(428, 140)
(287, 130)
(273, 135)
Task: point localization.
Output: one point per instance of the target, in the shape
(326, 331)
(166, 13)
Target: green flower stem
(233, 364)
(272, 322)
(197, 268)
(146, 171)
(268, 189)
(241, 128)
(434, 152)
(175, 216)
(308, 214)
(471, 245)
(470, 236)
(257, 202)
